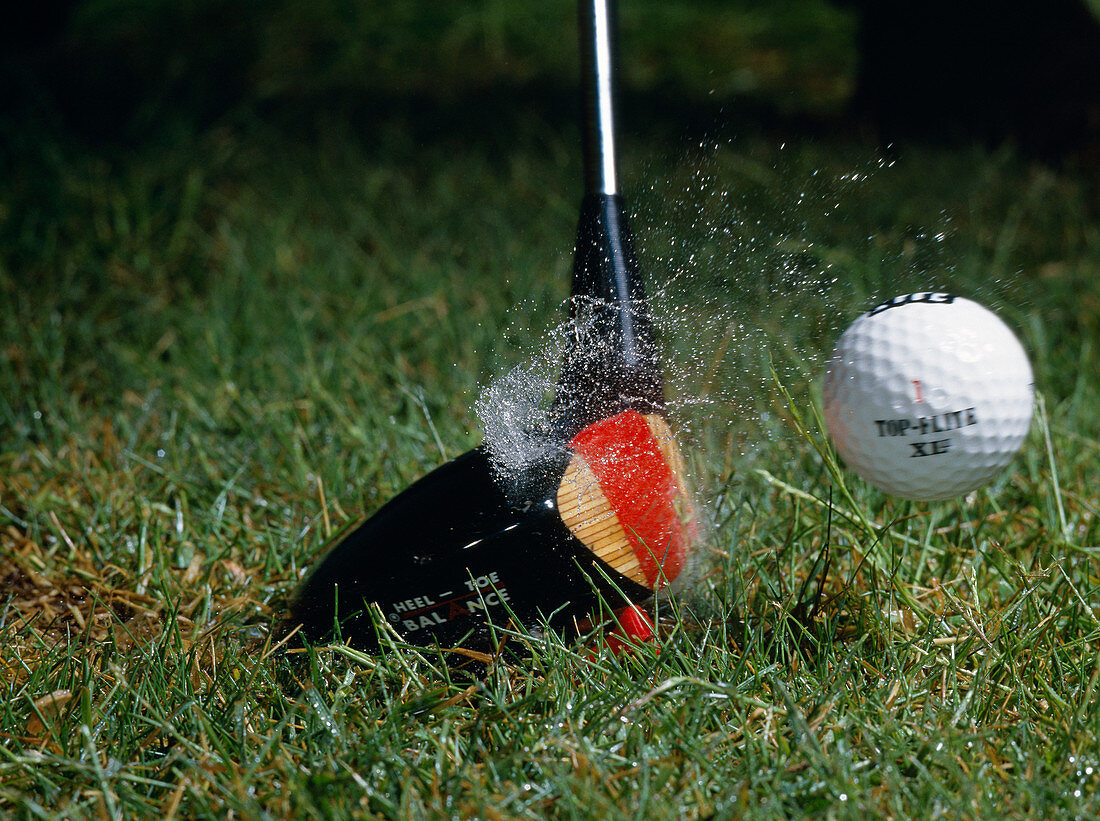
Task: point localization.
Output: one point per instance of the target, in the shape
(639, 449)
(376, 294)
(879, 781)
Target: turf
(220, 347)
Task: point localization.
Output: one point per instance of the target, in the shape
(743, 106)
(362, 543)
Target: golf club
(605, 517)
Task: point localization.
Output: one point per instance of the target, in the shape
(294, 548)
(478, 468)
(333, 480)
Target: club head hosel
(607, 281)
(611, 363)
(605, 265)
(593, 389)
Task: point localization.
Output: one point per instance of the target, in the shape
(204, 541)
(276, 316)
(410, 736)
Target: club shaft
(611, 363)
(597, 22)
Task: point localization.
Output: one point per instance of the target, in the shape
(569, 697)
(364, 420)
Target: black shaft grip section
(611, 362)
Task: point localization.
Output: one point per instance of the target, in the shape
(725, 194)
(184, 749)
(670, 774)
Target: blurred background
(1028, 72)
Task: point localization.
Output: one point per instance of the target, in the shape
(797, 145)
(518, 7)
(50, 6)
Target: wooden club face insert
(623, 496)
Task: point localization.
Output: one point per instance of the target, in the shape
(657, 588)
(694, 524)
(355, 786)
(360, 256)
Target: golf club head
(606, 518)
(454, 558)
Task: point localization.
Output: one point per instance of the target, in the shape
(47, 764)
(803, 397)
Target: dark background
(1023, 72)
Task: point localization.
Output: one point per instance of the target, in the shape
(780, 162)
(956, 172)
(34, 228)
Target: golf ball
(928, 396)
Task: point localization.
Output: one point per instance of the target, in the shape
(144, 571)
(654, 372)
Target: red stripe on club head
(635, 628)
(642, 488)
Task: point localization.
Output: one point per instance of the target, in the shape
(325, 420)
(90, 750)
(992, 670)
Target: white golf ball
(928, 396)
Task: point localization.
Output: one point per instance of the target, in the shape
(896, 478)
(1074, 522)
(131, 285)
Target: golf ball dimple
(928, 396)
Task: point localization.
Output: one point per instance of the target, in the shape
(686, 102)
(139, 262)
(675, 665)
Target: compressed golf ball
(928, 396)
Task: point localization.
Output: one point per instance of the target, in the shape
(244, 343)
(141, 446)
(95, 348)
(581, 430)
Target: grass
(220, 347)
